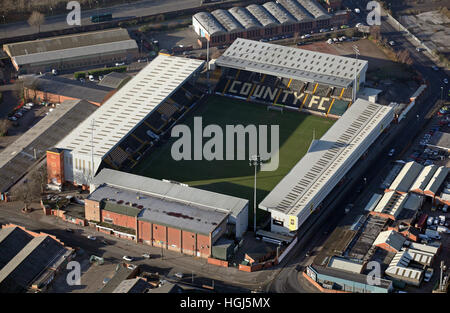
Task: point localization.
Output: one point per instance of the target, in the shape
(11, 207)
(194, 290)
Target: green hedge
(100, 71)
(79, 75)
(104, 71)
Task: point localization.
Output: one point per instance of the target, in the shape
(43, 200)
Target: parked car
(179, 275)
(69, 230)
(445, 81)
(146, 255)
(434, 67)
(127, 258)
(391, 152)
(92, 237)
(91, 78)
(120, 63)
(428, 274)
(29, 104)
(392, 43)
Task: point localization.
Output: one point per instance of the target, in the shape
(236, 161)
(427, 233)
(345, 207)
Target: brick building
(56, 89)
(283, 17)
(163, 214)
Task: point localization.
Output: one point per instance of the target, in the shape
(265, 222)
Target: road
(122, 11)
(399, 137)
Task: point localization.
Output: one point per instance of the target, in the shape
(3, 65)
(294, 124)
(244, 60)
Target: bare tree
(39, 177)
(4, 127)
(36, 19)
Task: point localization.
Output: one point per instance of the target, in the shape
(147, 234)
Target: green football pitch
(236, 178)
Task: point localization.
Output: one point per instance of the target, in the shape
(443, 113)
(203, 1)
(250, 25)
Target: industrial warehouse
(283, 17)
(72, 51)
(162, 213)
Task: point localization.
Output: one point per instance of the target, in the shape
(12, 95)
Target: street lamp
(255, 160)
(356, 50)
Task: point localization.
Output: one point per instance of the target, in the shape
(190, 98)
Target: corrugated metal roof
(392, 203)
(406, 177)
(76, 52)
(209, 23)
(227, 20)
(172, 192)
(244, 17)
(424, 178)
(436, 181)
(314, 8)
(296, 10)
(288, 62)
(280, 13)
(132, 104)
(318, 172)
(391, 238)
(261, 14)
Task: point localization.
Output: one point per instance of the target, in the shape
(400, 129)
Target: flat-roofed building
(72, 51)
(345, 281)
(165, 214)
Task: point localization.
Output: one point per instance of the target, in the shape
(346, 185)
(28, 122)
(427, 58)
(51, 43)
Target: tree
(36, 19)
(4, 126)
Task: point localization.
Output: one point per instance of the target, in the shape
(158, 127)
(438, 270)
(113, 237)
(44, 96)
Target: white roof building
(390, 239)
(406, 177)
(295, 63)
(436, 181)
(391, 204)
(307, 185)
(398, 269)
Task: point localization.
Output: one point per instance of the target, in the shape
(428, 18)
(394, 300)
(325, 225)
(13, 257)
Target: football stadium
(323, 130)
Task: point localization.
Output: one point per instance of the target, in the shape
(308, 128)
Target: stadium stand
(291, 77)
(129, 123)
